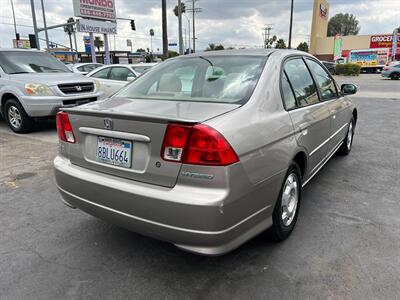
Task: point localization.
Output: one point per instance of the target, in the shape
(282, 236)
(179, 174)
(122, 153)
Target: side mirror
(130, 78)
(349, 89)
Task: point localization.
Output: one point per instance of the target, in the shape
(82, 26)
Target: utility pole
(180, 27)
(45, 26)
(194, 10)
(290, 26)
(194, 25)
(267, 31)
(15, 25)
(35, 29)
(164, 28)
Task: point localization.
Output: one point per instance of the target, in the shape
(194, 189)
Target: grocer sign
(95, 9)
(95, 26)
(383, 41)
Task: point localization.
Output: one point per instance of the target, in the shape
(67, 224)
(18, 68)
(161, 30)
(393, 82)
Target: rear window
(222, 79)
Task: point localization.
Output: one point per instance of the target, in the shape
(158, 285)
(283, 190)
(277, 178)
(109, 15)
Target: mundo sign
(95, 9)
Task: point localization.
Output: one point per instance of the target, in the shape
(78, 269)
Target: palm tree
(98, 43)
(183, 9)
(151, 32)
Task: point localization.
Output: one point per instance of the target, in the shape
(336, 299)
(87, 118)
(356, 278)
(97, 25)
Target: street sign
(95, 9)
(173, 44)
(95, 26)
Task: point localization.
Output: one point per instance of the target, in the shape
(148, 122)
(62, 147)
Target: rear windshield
(17, 62)
(223, 79)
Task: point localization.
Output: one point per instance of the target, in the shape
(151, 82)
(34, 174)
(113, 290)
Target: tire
(395, 76)
(16, 117)
(287, 206)
(347, 145)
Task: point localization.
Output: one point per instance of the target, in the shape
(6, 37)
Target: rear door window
(301, 81)
(102, 74)
(324, 81)
(288, 97)
(121, 73)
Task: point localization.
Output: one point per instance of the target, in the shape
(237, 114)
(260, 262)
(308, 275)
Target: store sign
(383, 41)
(323, 11)
(85, 25)
(95, 9)
(337, 47)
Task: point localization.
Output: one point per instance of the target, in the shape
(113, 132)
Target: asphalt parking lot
(346, 244)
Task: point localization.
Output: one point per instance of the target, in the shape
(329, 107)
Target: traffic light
(133, 25)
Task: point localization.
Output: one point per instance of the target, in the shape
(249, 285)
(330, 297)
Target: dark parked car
(331, 66)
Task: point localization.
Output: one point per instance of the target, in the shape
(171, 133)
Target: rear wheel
(287, 206)
(348, 140)
(16, 117)
(395, 76)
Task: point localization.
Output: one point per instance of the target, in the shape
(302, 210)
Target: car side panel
(312, 130)
(341, 112)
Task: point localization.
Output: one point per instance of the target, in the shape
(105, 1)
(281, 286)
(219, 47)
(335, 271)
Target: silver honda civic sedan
(207, 150)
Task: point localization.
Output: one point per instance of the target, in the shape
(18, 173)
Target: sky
(235, 23)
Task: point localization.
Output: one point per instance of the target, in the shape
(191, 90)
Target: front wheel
(347, 145)
(17, 118)
(395, 76)
(287, 206)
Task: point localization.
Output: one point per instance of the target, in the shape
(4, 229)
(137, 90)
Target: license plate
(114, 152)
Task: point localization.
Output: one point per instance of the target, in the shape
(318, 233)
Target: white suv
(34, 84)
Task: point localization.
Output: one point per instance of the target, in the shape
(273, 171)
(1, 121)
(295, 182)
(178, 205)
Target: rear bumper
(193, 219)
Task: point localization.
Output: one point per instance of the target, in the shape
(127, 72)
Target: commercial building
(331, 48)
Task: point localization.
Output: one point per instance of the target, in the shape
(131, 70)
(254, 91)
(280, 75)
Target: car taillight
(64, 128)
(198, 144)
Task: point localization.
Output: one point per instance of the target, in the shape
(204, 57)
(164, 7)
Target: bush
(348, 69)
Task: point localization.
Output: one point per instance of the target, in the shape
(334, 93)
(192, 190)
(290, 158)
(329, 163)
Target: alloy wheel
(290, 198)
(14, 117)
(349, 139)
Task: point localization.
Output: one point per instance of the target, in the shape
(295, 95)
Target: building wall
(319, 27)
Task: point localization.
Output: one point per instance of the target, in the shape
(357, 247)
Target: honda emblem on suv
(108, 123)
(78, 88)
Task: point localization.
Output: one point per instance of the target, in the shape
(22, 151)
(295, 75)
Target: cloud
(235, 23)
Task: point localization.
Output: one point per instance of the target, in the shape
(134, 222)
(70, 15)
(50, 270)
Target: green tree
(140, 50)
(269, 42)
(172, 53)
(303, 47)
(183, 9)
(280, 44)
(98, 43)
(343, 24)
(214, 47)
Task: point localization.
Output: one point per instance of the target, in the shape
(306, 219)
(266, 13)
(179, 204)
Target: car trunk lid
(141, 125)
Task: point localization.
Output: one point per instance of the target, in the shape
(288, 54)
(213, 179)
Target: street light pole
(189, 43)
(45, 26)
(35, 29)
(15, 25)
(290, 26)
(180, 27)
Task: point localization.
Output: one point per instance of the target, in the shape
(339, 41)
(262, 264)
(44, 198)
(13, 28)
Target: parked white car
(83, 68)
(113, 77)
(142, 67)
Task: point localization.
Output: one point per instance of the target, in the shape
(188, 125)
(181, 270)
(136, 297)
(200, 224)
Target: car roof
(20, 50)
